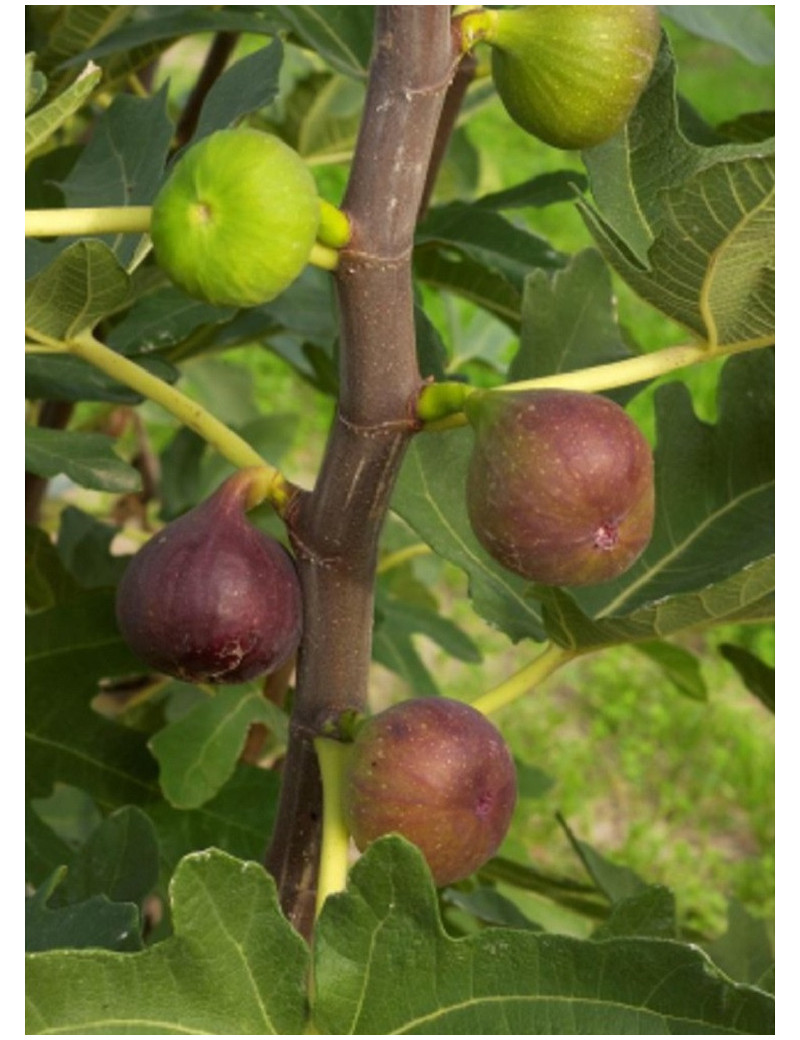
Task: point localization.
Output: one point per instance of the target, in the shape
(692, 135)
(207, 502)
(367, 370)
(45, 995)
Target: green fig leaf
(45, 851)
(35, 83)
(691, 229)
(397, 621)
(569, 322)
(248, 85)
(387, 926)
(47, 581)
(757, 675)
(198, 752)
(746, 952)
(86, 458)
(44, 122)
(681, 667)
(744, 27)
(133, 138)
(237, 820)
(234, 965)
(341, 35)
(78, 27)
(94, 923)
(69, 649)
(82, 285)
(119, 860)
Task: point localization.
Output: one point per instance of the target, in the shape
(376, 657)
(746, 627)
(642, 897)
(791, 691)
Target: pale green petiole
(270, 484)
(335, 853)
(120, 220)
(549, 660)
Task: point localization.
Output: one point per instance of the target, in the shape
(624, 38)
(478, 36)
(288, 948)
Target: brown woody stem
(335, 528)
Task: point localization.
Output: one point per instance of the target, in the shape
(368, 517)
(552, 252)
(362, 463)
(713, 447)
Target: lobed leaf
(234, 965)
(94, 923)
(167, 22)
(512, 981)
(690, 228)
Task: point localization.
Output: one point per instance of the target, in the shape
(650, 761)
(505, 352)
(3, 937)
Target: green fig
(438, 773)
(235, 221)
(210, 598)
(571, 74)
(560, 485)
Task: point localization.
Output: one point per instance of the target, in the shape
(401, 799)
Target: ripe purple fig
(438, 773)
(211, 599)
(560, 485)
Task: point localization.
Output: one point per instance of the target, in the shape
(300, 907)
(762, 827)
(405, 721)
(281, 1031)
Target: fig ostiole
(571, 74)
(560, 485)
(438, 773)
(236, 220)
(210, 598)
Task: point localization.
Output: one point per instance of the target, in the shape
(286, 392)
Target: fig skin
(438, 773)
(560, 485)
(235, 221)
(211, 599)
(571, 75)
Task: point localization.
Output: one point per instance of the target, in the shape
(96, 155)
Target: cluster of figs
(560, 484)
(559, 490)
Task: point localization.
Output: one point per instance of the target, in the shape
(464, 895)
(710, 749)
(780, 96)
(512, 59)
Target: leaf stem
(440, 401)
(230, 445)
(401, 556)
(118, 220)
(335, 845)
(549, 660)
(102, 220)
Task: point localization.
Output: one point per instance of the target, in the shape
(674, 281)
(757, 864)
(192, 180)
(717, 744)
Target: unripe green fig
(571, 74)
(438, 773)
(235, 221)
(210, 598)
(560, 485)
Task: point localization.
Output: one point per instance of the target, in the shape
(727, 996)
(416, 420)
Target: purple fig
(560, 485)
(211, 599)
(439, 774)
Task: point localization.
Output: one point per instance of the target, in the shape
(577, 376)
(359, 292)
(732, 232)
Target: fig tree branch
(335, 528)
(222, 46)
